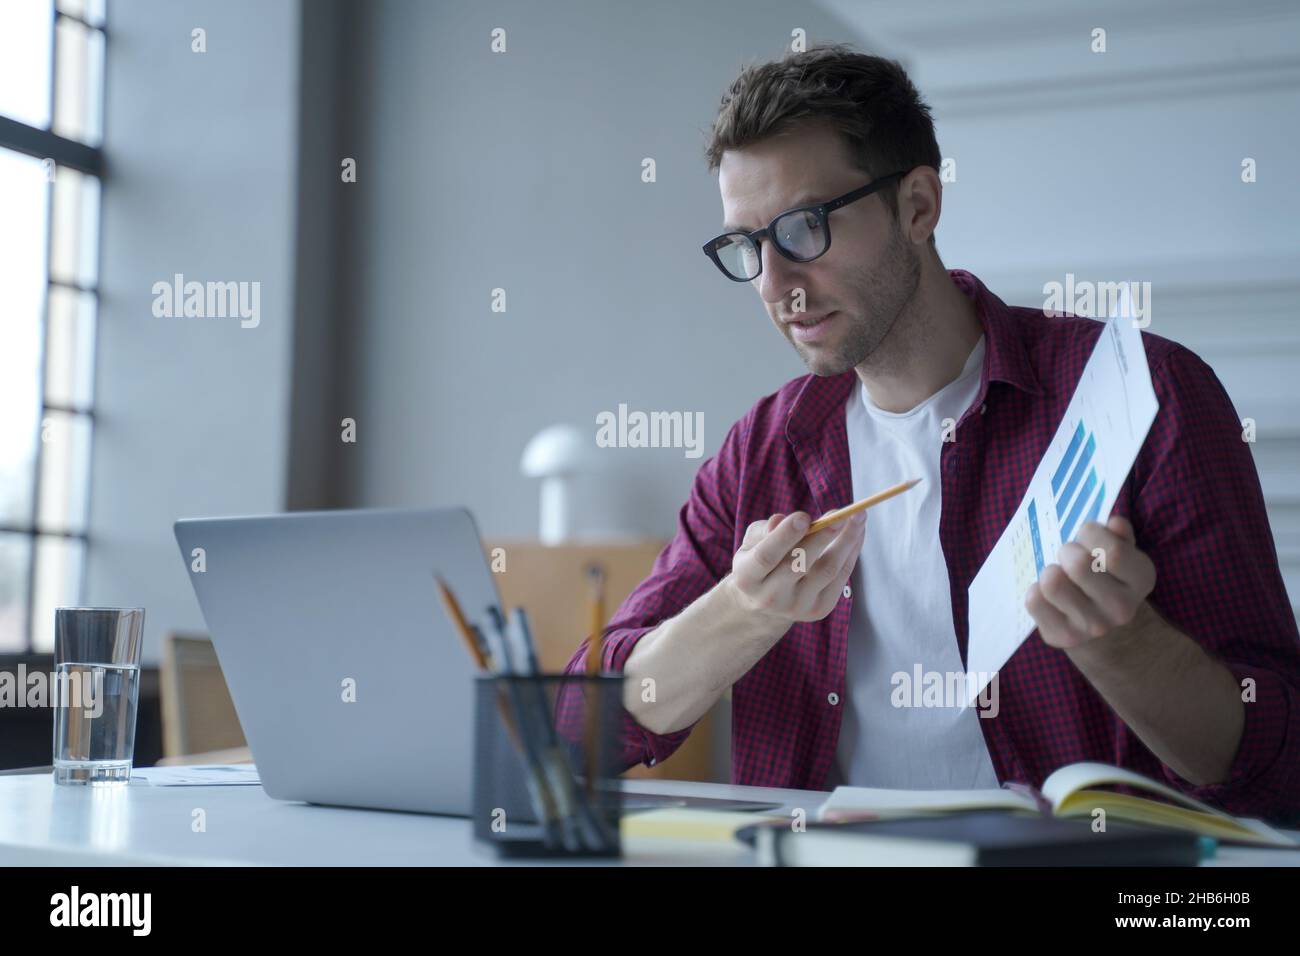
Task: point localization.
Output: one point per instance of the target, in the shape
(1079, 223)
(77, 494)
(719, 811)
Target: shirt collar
(1005, 360)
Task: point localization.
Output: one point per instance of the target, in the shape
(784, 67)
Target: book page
(1067, 781)
(850, 800)
(1080, 776)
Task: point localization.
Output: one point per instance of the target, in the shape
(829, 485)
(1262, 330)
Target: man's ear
(920, 200)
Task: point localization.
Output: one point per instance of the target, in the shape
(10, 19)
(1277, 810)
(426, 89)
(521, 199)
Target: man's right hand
(772, 581)
(714, 641)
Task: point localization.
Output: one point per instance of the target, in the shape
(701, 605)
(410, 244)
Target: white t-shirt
(902, 608)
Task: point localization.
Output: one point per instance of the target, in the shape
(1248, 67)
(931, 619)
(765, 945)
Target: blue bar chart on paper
(1076, 481)
(1075, 485)
(1077, 496)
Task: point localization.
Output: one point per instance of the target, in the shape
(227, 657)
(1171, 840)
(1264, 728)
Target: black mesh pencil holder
(546, 760)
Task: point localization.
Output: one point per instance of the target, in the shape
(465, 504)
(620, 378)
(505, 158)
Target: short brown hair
(868, 100)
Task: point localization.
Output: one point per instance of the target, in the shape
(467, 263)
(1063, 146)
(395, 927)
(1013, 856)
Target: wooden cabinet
(551, 583)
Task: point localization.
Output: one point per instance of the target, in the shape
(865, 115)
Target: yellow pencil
(462, 626)
(595, 666)
(839, 514)
(596, 619)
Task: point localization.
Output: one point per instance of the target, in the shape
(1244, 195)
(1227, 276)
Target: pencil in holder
(546, 764)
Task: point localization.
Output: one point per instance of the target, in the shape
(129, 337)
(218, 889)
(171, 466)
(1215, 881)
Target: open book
(1065, 793)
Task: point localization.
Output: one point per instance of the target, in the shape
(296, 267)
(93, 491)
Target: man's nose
(779, 278)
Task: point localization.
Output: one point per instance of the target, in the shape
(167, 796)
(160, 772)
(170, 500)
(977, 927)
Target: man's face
(859, 287)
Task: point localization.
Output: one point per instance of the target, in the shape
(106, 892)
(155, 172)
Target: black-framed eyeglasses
(801, 235)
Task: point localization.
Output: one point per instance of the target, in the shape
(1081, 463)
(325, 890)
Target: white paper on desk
(1077, 481)
(200, 775)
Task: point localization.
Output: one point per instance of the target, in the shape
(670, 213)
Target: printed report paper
(1077, 481)
(199, 775)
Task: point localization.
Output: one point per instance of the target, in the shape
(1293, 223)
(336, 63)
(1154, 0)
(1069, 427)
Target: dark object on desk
(977, 838)
(633, 801)
(534, 735)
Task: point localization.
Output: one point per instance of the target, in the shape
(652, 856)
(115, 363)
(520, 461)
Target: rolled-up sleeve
(698, 556)
(1199, 513)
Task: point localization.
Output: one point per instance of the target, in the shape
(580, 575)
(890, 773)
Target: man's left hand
(1099, 585)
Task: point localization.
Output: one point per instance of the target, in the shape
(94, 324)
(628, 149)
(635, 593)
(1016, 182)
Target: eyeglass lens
(802, 234)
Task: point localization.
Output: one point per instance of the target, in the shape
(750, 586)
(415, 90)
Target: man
(1180, 660)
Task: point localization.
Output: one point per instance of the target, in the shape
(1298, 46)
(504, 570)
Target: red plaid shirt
(1193, 497)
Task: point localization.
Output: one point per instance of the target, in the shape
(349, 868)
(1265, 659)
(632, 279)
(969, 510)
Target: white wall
(191, 414)
(522, 171)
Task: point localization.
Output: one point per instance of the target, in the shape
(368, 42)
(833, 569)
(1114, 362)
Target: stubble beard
(881, 296)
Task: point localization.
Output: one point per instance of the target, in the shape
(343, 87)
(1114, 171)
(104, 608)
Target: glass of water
(96, 689)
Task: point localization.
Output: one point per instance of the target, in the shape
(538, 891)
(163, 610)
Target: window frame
(45, 144)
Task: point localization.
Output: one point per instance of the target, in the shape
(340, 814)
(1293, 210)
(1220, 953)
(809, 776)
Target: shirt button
(653, 761)
(833, 698)
(983, 406)
(848, 591)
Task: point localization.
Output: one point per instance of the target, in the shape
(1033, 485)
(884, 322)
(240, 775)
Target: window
(51, 109)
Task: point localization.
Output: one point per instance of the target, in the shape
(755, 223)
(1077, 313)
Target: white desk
(139, 824)
(45, 825)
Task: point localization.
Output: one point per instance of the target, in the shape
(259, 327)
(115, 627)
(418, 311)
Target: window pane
(25, 53)
(24, 202)
(79, 61)
(70, 348)
(65, 464)
(74, 238)
(58, 584)
(15, 567)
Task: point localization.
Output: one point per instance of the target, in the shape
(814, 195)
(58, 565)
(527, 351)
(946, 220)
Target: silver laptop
(352, 686)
